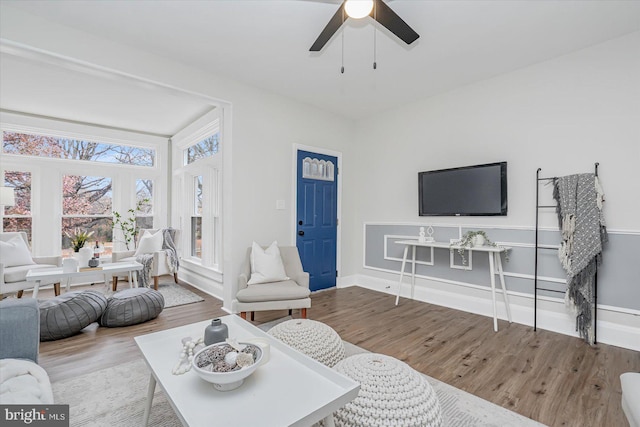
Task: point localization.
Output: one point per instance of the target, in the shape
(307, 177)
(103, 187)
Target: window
(202, 149)
(87, 205)
(76, 175)
(196, 219)
(197, 154)
(144, 200)
(18, 217)
(27, 144)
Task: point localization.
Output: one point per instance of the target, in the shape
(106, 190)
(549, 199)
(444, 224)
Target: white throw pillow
(266, 264)
(15, 252)
(150, 243)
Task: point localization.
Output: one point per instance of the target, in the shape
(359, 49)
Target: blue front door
(317, 214)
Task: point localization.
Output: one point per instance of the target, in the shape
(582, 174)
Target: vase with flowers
(78, 240)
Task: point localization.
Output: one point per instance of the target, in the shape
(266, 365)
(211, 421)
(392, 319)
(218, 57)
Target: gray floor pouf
(68, 314)
(391, 394)
(132, 306)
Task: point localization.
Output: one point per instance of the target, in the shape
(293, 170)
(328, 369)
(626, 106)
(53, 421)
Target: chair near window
(290, 293)
(160, 265)
(16, 261)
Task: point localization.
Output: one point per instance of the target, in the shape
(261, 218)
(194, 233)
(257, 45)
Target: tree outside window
(87, 205)
(74, 149)
(196, 219)
(202, 149)
(18, 217)
(144, 201)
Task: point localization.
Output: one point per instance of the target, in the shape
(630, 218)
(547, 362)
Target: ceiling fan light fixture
(357, 9)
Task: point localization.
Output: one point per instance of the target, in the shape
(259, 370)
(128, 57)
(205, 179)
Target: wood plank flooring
(551, 378)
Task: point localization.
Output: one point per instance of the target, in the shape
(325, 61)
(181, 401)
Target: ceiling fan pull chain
(342, 67)
(375, 17)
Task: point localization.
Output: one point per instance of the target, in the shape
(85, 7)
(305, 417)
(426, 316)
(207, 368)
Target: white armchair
(284, 295)
(13, 277)
(159, 267)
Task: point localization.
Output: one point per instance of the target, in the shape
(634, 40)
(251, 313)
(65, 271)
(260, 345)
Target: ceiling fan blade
(334, 25)
(392, 22)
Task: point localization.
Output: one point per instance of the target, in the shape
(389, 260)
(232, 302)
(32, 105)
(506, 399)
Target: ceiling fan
(357, 9)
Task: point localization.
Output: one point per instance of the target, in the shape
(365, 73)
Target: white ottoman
(391, 394)
(630, 383)
(315, 339)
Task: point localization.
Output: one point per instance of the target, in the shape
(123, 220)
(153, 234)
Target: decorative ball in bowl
(227, 367)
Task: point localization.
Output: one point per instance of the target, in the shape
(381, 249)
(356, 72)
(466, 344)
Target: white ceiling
(266, 43)
(51, 90)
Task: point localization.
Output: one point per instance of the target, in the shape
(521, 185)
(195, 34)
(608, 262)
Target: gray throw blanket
(579, 199)
(173, 262)
(169, 246)
(143, 275)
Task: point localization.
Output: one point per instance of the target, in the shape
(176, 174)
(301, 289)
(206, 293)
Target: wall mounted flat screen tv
(479, 190)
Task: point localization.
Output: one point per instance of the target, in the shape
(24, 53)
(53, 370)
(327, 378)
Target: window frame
(47, 174)
(210, 168)
(64, 135)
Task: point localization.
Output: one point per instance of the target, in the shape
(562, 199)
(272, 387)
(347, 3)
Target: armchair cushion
(150, 243)
(19, 273)
(276, 291)
(266, 264)
(15, 252)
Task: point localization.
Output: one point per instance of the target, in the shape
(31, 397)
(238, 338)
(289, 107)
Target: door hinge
(337, 221)
(336, 273)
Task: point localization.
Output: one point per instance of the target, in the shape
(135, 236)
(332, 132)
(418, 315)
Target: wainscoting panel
(618, 277)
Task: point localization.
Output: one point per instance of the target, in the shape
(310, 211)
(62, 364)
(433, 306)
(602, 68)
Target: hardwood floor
(552, 378)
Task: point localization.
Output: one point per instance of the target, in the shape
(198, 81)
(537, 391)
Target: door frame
(294, 197)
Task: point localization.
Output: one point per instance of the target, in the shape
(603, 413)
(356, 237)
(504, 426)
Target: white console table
(494, 261)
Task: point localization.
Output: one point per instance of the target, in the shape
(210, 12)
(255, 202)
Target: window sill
(197, 268)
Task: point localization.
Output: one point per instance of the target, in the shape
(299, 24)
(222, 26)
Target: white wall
(264, 127)
(561, 115)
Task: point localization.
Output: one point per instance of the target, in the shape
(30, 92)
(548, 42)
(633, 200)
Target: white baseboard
(614, 327)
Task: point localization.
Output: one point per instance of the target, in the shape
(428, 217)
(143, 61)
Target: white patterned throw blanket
(579, 199)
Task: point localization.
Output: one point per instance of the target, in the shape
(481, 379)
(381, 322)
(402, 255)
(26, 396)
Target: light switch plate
(280, 205)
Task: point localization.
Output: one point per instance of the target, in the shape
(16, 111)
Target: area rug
(173, 294)
(116, 397)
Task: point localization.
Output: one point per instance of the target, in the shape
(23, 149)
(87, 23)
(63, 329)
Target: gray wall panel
(618, 277)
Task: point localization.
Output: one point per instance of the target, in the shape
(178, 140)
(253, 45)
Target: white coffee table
(43, 276)
(291, 389)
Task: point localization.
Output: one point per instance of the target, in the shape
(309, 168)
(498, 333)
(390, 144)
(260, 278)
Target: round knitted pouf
(132, 306)
(68, 314)
(391, 394)
(312, 338)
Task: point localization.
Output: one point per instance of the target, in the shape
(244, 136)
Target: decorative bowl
(225, 381)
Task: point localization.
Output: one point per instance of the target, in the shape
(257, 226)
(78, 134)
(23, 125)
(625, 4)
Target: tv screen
(471, 190)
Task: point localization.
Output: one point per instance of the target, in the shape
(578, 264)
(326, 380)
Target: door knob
(300, 233)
